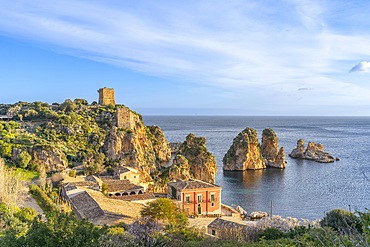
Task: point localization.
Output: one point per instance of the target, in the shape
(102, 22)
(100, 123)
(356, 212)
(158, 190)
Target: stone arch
(117, 194)
(124, 194)
(140, 192)
(132, 193)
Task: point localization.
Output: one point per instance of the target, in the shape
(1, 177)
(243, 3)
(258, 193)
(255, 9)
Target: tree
(23, 159)
(165, 210)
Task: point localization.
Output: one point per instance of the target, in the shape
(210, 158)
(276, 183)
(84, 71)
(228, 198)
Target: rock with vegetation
(143, 148)
(75, 133)
(161, 147)
(244, 153)
(314, 151)
(274, 156)
(179, 169)
(202, 163)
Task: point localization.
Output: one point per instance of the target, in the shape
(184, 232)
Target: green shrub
(26, 214)
(72, 173)
(341, 220)
(271, 233)
(42, 198)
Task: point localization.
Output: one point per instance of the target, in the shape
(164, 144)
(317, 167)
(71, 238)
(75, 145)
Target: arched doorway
(199, 209)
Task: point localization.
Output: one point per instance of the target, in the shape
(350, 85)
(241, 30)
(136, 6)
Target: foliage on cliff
(74, 133)
(202, 163)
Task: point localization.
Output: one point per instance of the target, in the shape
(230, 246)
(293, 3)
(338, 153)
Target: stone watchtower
(106, 96)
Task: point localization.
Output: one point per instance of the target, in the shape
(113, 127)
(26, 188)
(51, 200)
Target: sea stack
(244, 153)
(274, 157)
(314, 151)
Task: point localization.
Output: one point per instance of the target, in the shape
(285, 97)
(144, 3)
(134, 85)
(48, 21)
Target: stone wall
(106, 96)
(125, 118)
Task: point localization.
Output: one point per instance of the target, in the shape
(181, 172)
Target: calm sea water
(305, 189)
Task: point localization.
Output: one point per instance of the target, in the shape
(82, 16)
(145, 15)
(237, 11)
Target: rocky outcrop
(298, 152)
(314, 151)
(179, 169)
(161, 148)
(270, 150)
(53, 159)
(244, 153)
(258, 215)
(202, 164)
(140, 147)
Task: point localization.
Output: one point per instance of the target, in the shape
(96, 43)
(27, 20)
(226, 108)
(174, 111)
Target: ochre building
(196, 197)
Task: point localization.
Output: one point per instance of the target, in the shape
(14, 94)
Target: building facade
(196, 197)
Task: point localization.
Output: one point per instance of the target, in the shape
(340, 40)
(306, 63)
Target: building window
(212, 204)
(134, 176)
(214, 232)
(199, 198)
(125, 177)
(187, 199)
(212, 197)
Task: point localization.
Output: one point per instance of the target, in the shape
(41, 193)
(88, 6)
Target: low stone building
(122, 188)
(127, 173)
(196, 197)
(226, 229)
(83, 205)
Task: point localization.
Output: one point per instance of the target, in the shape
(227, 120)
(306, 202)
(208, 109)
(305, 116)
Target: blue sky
(194, 57)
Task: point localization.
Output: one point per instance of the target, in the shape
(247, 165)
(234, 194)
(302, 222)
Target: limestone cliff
(179, 169)
(270, 150)
(161, 147)
(244, 153)
(314, 151)
(137, 146)
(202, 164)
(52, 158)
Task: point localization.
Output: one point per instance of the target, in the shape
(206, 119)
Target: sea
(304, 189)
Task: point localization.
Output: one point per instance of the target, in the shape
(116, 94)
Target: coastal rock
(161, 147)
(52, 158)
(258, 215)
(269, 150)
(244, 153)
(202, 164)
(140, 147)
(314, 151)
(298, 152)
(179, 169)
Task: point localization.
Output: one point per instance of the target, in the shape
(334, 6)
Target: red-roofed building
(196, 197)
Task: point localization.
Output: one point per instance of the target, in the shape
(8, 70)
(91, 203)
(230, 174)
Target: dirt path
(30, 202)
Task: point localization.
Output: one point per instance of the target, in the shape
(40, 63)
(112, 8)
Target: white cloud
(240, 45)
(361, 67)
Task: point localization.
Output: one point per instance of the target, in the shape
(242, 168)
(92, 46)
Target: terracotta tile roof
(138, 197)
(220, 224)
(85, 206)
(121, 185)
(192, 184)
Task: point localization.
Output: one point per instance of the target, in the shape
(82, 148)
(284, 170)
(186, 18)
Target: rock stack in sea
(314, 151)
(246, 153)
(274, 157)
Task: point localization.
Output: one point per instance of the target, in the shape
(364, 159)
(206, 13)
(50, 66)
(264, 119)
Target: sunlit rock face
(244, 153)
(314, 151)
(274, 157)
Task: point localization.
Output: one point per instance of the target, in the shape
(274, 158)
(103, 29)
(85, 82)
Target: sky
(194, 57)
